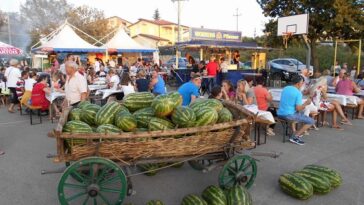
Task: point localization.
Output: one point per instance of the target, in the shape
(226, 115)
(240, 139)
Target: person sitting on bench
(290, 108)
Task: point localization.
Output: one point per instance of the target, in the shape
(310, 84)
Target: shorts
(299, 117)
(13, 96)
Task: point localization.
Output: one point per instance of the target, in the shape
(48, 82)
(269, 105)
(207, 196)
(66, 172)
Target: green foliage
(156, 15)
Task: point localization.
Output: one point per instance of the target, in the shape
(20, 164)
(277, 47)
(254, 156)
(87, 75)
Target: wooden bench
(34, 108)
(353, 108)
(286, 124)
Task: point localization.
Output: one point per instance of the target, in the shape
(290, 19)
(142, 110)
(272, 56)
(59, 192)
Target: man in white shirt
(12, 75)
(97, 65)
(75, 86)
(62, 67)
(114, 80)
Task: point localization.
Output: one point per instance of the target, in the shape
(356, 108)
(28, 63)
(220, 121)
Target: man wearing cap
(290, 107)
(13, 74)
(75, 86)
(190, 90)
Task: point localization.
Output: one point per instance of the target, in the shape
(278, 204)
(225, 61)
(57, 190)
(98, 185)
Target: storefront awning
(221, 44)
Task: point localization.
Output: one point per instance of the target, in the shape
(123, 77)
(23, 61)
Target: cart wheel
(240, 170)
(104, 183)
(200, 165)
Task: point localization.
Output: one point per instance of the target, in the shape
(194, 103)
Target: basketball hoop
(286, 36)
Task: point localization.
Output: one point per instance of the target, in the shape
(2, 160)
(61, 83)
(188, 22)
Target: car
(182, 63)
(285, 68)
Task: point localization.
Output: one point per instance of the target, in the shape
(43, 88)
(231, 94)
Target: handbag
(5, 90)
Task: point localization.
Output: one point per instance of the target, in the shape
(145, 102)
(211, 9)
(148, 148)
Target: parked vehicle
(284, 68)
(182, 63)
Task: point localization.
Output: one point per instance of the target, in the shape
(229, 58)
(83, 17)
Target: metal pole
(308, 55)
(179, 21)
(237, 15)
(359, 58)
(335, 55)
(9, 31)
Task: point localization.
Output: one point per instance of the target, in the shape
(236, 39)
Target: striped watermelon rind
(213, 195)
(320, 184)
(332, 175)
(192, 199)
(108, 128)
(89, 112)
(107, 113)
(295, 186)
(82, 104)
(155, 202)
(143, 116)
(206, 116)
(203, 103)
(76, 126)
(125, 121)
(225, 116)
(163, 105)
(238, 195)
(183, 117)
(75, 114)
(138, 100)
(176, 98)
(160, 124)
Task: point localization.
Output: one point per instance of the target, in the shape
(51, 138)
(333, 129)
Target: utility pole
(179, 26)
(9, 31)
(237, 15)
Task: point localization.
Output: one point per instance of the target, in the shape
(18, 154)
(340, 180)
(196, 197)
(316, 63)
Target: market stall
(6, 49)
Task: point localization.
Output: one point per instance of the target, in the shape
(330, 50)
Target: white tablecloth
(360, 94)
(54, 96)
(96, 87)
(107, 92)
(264, 115)
(276, 94)
(343, 99)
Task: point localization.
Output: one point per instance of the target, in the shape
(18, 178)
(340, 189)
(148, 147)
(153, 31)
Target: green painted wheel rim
(240, 170)
(104, 183)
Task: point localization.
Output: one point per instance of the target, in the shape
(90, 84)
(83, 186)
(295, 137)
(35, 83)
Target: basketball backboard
(295, 25)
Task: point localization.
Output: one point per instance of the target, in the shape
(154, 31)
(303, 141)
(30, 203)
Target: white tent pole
(50, 35)
(97, 41)
(107, 35)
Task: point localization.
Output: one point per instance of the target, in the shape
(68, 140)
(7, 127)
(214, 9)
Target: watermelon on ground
(320, 184)
(332, 175)
(295, 186)
(237, 195)
(214, 195)
(192, 199)
(155, 202)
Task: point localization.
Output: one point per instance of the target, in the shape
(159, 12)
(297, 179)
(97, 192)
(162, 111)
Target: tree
(329, 19)
(2, 19)
(90, 20)
(156, 15)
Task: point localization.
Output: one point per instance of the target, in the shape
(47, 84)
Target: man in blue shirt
(290, 107)
(190, 90)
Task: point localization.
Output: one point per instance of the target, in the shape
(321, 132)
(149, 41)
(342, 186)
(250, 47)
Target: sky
(211, 14)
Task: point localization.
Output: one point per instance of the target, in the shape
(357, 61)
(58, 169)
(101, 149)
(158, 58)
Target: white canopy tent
(122, 43)
(65, 39)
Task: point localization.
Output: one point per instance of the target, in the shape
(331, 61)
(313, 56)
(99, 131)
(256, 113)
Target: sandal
(346, 123)
(11, 111)
(337, 127)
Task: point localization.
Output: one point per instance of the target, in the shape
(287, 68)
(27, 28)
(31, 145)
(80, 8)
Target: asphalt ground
(27, 146)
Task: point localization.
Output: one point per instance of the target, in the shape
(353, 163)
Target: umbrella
(6, 49)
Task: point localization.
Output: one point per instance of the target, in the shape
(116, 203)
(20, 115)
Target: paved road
(27, 146)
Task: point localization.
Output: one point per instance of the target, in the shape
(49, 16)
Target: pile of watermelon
(214, 195)
(144, 112)
(311, 179)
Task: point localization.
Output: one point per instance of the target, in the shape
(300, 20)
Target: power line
(237, 15)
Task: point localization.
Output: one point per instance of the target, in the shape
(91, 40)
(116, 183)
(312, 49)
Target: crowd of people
(299, 101)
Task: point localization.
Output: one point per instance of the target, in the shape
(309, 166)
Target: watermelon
(332, 175)
(320, 184)
(238, 195)
(160, 124)
(202, 103)
(213, 195)
(163, 105)
(76, 126)
(75, 114)
(176, 98)
(82, 104)
(225, 116)
(150, 168)
(88, 113)
(125, 121)
(295, 186)
(155, 202)
(139, 100)
(206, 116)
(192, 199)
(108, 128)
(107, 113)
(183, 117)
(143, 116)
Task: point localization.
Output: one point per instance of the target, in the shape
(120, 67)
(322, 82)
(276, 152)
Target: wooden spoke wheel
(240, 170)
(200, 164)
(92, 180)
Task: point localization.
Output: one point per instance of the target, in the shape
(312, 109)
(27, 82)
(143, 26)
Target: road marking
(6, 123)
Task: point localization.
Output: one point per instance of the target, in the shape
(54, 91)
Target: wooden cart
(99, 171)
